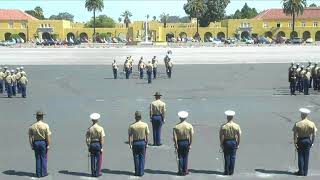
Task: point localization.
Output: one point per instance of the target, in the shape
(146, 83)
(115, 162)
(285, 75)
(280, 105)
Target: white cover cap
(95, 116)
(304, 110)
(183, 114)
(229, 113)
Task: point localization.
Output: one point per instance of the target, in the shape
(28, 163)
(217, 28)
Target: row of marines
(151, 68)
(13, 82)
(304, 132)
(302, 78)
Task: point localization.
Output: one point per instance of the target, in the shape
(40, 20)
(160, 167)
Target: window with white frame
(265, 25)
(315, 24)
(10, 24)
(303, 24)
(23, 25)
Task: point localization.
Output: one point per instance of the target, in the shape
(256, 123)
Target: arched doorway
(7, 36)
(306, 35)
(268, 34)
(183, 35)
(221, 35)
(207, 36)
(169, 37)
(293, 34)
(245, 34)
(46, 36)
(23, 36)
(70, 35)
(317, 36)
(281, 34)
(84, 36)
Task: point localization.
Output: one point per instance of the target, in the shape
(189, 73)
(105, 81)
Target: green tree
(93, 6)
(294, 8)
(102, 21)
(247, 12)
(154, 18)
(126, 17)
(37, 13)
(196, 9)
(313, 5)
(164, 19)
(62, 16)
(119, 19)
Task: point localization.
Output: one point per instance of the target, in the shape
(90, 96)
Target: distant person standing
(23, 85)
(306, 81)
(292, 80)
(138, 141)
(95, 140)
(229, 134)
(18, 76)
(314, 76)
(8, 84)
(170, 66)
(155, 66)
(149, 68)
(1, 80)
(157, 116)
(14, 83)
(127, 69)
(39, 139)
(304, 133)
(182, 138)
(141, 67)
(115, 69)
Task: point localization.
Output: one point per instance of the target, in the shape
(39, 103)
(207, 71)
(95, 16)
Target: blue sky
(139, 8)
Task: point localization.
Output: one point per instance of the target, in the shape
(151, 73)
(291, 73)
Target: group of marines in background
(151, 68)
(13, 82)
(302, 78)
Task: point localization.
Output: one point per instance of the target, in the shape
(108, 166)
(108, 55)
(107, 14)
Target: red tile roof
(273, 14)
(14, 14)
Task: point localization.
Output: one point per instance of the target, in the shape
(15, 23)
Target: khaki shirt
(8, 79)
(308, 75)
(141, 65)
(39, 131)
(13, 78)
(302, 72)
(23, 80)
(1, 75)
(18, 76)
(23, 72)
(114, 65)
(127, 65)
(149, 67)
(138, 130)
(230, 130)
(95, 132)
(155, 64)
(170, 64)
(304, 128)
(183, 131)
(158, 107)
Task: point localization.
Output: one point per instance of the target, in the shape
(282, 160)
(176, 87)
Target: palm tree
(154, 18)
(294, 8)
(197, 8)
(119, 19)
(164, 19)
(94, 5)
(126, 17)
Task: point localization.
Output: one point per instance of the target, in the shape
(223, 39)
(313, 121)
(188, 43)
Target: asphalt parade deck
(258, 93)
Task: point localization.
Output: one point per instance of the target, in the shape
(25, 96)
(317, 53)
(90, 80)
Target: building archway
(22, 36)
(207, 36)
(46, 36)
(281, 34)
(221, 35)
(84, 36)
(293, 34)
(70, 35)
(169, 37)
(317, 36)
(306, 35)
(268, 34)
(7, 36)
(183, 35)
(245, 34)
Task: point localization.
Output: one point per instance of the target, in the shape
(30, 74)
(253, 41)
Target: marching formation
(150, 68)
(13, 82)
(304, 132)
(302, 78)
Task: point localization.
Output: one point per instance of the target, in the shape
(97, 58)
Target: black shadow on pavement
(205, 172)
(74, 173)
(18, 173)
(117, 172)
(274, 172)
(149, 171)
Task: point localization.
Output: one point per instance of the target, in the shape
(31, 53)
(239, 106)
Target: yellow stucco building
(269, 23)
